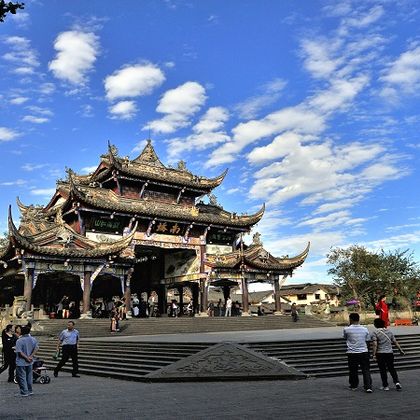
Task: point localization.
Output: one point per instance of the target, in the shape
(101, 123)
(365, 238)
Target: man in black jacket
(8, 339)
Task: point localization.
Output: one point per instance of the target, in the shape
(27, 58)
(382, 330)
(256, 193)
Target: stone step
(323, 358)
(166, 325)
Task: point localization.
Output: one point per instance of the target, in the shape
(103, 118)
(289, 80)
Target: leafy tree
(364, 275)
(4, 240)
(9, 7)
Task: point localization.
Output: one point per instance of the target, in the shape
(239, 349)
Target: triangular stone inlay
(225, 361)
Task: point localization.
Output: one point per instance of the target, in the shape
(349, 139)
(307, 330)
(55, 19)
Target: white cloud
(395, 242)
(19, 100)
(298, 119)
(34, 119)
(364, 19)
(46, 88)
(22, 58)
(319, 57)
(321, 242)
(7, 134)
(139, 146)
(29, 167)
(21, 19)
(339, 218)
(45, 192)
(337, 205)
(323, 172)
(403, 74)
(40, 111)
(178, 105)
(89, 169)
(270, 93)
(124, 110)
(17, 183)
(87, 111)
(76, 54)
(209, 131)
(133, 81)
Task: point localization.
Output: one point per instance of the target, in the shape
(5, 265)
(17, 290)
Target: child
(382, 340)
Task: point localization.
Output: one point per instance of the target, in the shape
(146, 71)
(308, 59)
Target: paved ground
(99, 398)
(250, 336)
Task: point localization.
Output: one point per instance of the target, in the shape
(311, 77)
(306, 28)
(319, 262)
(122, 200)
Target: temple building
(134, 226)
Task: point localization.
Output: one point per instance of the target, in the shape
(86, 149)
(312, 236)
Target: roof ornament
(263, 255)
(112, 149)
(256, 239)
(59, 217)
(213, 200)
(181, 166)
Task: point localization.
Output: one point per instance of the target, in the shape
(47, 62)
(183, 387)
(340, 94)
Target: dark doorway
(10, 286)
(51, 287)
(106, 287)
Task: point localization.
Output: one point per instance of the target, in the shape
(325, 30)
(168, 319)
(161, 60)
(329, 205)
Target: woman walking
(382, 341)
(381, 309)
(8, 339)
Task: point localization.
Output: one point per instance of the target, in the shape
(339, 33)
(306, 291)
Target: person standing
(381, 309)
(26, 347)
(69, 339)
(228, 311)
(357, 353)
(382, 341)
(294, 312)
(8, 340)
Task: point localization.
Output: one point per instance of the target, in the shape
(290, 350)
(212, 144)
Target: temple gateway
(134, 226)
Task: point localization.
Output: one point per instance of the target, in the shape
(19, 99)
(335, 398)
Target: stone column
(245, 304)
(162, 299)
(27, 288)
(127, 293)
(226, 292)
(204, 289)
(181, 300)
(277, 301)
(87, 313)
(195, 295)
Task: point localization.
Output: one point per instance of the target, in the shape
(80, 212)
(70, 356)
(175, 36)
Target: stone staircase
(133, 361)
(165, 325)
(128, 361)
(326, 358)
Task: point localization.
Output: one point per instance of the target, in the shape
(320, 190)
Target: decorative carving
(224, 361)
(256, 239)
(213, 200)
(113, 149)
(263, 255)
(181, 166)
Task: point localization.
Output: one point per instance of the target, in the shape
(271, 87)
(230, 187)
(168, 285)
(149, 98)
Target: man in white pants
(228, 311)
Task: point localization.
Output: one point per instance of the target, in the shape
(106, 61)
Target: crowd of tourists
(19, 350)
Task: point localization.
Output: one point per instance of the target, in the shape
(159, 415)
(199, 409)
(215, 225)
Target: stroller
(40, 373)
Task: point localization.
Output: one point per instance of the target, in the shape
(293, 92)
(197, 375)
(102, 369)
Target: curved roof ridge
(102, 248)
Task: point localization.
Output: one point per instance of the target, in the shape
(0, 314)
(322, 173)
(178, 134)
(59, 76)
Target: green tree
(364, 275)
(4, 240)
(9, 7)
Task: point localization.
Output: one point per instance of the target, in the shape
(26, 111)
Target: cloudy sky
(312, 105)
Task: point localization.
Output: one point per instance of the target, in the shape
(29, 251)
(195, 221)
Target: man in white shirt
(228, 311)
(357, 353)
(69, 339)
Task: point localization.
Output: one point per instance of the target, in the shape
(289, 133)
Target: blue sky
(312, 105)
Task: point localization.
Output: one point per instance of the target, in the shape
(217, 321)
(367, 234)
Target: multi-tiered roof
(140, 190)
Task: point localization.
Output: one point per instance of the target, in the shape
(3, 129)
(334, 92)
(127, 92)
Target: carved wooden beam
(179, 195)
(149, 228)
(143, 188)
(187, 232)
